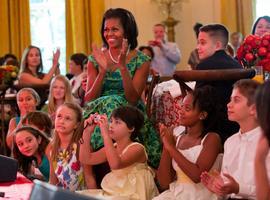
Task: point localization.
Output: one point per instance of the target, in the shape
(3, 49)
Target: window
(262, 8)
(48, 30)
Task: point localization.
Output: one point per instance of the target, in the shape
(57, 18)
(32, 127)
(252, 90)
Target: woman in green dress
(117, 75)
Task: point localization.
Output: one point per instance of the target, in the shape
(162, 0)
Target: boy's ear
(252, 110)
(219, 45)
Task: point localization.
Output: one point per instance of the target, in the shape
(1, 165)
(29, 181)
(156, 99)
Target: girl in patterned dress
(130, 176)
(65, 168)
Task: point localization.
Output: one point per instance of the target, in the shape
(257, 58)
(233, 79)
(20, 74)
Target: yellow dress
(135, 182)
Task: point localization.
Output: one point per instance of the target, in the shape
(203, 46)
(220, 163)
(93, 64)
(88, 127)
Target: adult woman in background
(31, 70)
(261, 26)
(117, 75)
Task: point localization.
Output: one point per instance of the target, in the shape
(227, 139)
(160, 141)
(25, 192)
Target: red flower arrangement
(8, 74)
(255, 51)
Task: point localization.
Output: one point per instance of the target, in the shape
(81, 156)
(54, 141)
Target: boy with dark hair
(212, 42)
(76, 67)
(237, 180)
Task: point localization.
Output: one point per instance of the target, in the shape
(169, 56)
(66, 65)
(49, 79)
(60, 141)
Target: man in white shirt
(167, 54)
(237, 180)
(76, 69)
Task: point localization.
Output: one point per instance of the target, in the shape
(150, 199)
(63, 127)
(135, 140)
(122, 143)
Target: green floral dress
(112, 96)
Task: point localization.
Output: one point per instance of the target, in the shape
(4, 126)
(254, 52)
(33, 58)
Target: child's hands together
(166, 136)
(216, 184)
(89, 124)
(102, 122)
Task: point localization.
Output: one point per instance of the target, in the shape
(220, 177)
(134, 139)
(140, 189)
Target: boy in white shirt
(237, 180)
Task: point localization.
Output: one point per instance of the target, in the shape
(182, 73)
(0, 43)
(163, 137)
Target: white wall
(147, 13)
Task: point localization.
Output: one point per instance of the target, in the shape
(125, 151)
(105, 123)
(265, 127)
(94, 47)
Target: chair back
(211, 75)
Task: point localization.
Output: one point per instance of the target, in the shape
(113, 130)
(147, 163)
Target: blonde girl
(65, 168)
(60, 92)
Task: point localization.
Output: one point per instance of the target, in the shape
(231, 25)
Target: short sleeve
(141, 59)
(92, 60)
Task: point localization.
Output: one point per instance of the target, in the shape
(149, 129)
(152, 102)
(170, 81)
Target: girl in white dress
(195, 150)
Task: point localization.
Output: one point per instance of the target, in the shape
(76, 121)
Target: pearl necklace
(118, 57)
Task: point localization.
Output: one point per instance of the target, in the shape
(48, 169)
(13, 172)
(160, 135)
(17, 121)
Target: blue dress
(112, 96)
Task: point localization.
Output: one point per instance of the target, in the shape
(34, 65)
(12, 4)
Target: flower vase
(259, 76)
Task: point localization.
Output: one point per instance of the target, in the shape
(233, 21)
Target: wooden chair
(211, 75)
(156, 79)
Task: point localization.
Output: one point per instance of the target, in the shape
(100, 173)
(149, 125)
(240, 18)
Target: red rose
(268, 55)
(76, 166)
(265, 43)
(247, 48)
(262, 51)
(249, 57)
(267, 67)
(266, 37)
(249, 39)
(256, 42)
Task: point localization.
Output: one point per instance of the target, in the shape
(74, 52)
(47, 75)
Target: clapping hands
(123, 54)
(219, 185)
(156, 43)
(56, 56)
(166, 136)
(101, 59)
(104, 61)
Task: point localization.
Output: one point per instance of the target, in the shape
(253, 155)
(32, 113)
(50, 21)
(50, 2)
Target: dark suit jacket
(220, 60)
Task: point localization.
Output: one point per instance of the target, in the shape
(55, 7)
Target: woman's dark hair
(25, 162)
(24, 64)
(263, 107)
(78, 58)
(39, 119)
(132, 117)
(128, 22)
(206, 100)
(150, 49)
(267, 18)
